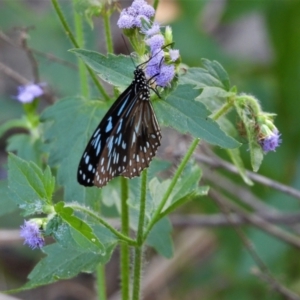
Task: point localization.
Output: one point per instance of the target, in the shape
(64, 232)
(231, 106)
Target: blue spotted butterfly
(126, 139)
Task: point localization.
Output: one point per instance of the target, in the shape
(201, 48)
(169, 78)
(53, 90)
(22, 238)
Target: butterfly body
(126, 139)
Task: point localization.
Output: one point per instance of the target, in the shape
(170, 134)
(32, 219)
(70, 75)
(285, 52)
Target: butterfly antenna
(126, 45)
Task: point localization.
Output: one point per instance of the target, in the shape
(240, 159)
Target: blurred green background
(258, 43)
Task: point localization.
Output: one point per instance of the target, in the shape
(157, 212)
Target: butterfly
(126, 140)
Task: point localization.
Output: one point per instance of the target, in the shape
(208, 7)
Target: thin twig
(223, 204)
(219, 220)
(48, 56)
(31, 58)
(255, 220)
(217, 162)
(288, 294)
(13, 74)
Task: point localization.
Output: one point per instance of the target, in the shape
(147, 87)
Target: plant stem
(82, 69)
(100, 275)
(139, 249)
(223, 110)
(171, 186)
(125, 259)
(75, 44)
(106, 20)
(104, 223)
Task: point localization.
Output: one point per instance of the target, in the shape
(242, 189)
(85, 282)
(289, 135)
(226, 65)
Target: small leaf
(185, 189)
(116, 70)
(7, 202)
(186, 115)
(32, 187)
(26, 147)
(81, 231)
(212, 75)
(63, 263)
(215, 69)
(160, 238)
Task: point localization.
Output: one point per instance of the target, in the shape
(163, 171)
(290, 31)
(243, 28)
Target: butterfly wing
(95, 149)
(125, 141)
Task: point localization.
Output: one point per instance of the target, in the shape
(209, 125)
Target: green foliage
(180, 111)
(32, 187)
(63, 263)
(114, 69)
(81, 231)
(71, 122)
(82, 242)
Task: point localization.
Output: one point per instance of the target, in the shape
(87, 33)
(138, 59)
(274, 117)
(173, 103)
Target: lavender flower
(139, 15)
(271, 142)
(131, 17)
(153, 67)
(154, 29)
(27, 93)
(126, 21)
(155, 42)
(166, 74)
(31, 233)
(174, 54)
(143, 8)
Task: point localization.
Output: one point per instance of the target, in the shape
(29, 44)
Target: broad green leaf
(116, 70)
(7, 201)
(160, 238)
(26, 147)
(214, 97)
(186, 115)
(80, 230)
(32, 187)
(63, 263)
(212, 75)
(70, 124)
(216, 70)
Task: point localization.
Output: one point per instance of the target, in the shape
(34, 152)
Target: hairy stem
(125, 259)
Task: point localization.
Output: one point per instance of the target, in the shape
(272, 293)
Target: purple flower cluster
(31, 233)
(131, 17)
(271, 142)
(27, 93)
(157, 69)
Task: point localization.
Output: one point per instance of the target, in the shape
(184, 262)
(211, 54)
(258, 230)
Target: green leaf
(160, 238)
(212, 75)
(216, 70)
(116, 70)
(63, 263)
(70, 124)
(81, 231)
(7, 202)
(186, 115)
(185, 189)
(32, 187)
(27, 147)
